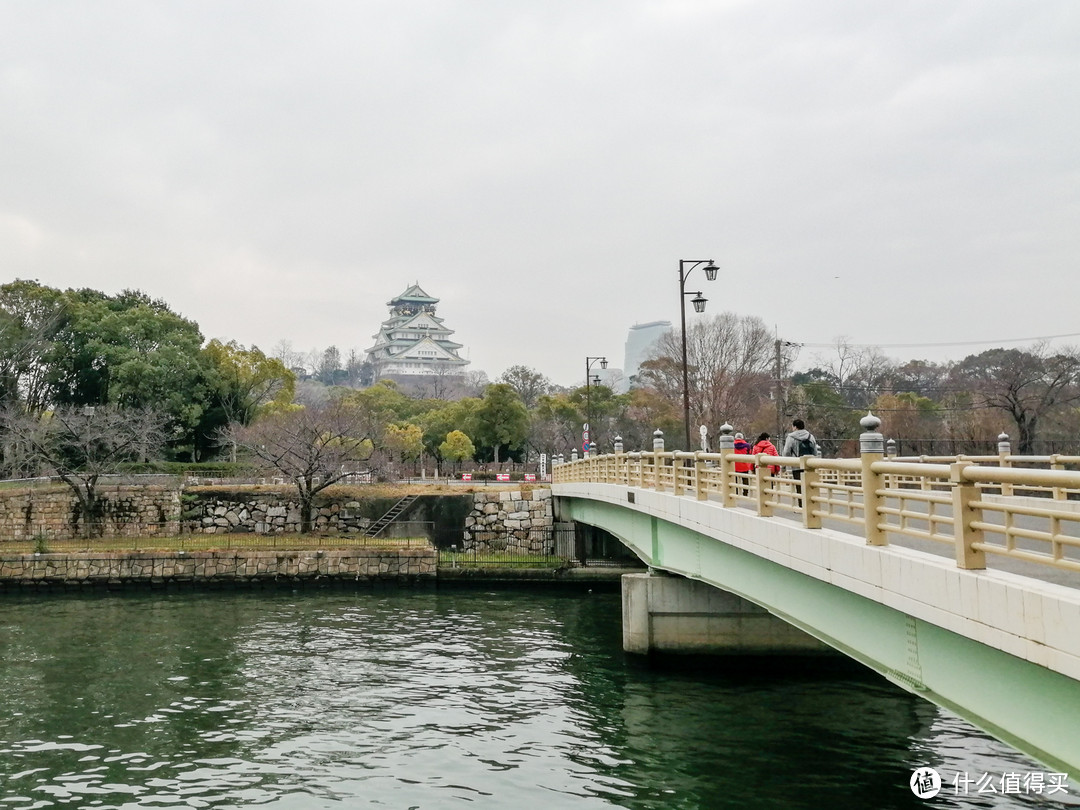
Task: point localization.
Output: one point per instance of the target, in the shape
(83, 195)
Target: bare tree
(730, 361)
(79, 445)
(1026, 385)
(313, 447)
(292, 358)
(529, 384)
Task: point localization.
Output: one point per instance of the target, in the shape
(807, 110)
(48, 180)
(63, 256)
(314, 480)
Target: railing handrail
(885, 496)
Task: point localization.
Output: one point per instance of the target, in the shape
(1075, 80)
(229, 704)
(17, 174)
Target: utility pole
(779, 390)
(781, 404)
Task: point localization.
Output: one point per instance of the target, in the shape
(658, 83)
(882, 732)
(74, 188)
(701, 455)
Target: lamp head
(699, 302)
(603, 362)
(710, 271)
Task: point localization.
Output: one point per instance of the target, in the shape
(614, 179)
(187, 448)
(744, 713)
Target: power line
(934, 345)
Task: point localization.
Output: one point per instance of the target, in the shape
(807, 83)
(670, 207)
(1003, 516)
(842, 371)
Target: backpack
(805, 447)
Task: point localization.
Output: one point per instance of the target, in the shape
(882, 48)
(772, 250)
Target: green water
(431, 699)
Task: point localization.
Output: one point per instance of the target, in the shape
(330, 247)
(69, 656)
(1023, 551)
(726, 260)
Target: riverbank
(247, 567)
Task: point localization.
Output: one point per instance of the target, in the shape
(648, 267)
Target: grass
(212, 542)
(499, 559)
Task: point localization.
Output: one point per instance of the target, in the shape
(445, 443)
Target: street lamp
(699, 306)
(590, 380)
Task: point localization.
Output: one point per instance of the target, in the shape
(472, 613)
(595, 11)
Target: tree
(441, 421)
(328, 371)
(313, 447)
(530, 385)
(241, 382)
(555, 424)
(908, 418)
(730, 363)
(823, 408)
(30, 316)
(457, 447)
(646, 412)
(130, 351)
(501, 420)
(79, 445)
(404, 440)
(1026, 385)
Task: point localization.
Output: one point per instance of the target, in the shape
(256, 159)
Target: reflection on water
(418, 698)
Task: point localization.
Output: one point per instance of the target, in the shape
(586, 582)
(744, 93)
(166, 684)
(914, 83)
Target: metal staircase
(394, 512)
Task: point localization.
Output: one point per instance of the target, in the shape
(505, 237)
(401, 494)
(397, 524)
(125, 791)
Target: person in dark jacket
(800, 442)
(742, 468)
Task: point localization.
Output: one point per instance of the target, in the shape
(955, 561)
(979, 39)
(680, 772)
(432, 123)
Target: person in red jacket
(764, 446)
(742, 467)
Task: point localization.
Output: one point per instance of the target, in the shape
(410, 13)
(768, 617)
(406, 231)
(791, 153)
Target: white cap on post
(871, 441)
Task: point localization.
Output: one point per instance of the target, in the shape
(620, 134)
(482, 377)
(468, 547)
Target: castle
(413, 341)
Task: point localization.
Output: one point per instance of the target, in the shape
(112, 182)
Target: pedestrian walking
(742, 468)
(800, 442)
(765, 447)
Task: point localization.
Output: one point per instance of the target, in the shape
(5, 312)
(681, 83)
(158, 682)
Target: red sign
(530, 476)
(502, 476)
(466, 476)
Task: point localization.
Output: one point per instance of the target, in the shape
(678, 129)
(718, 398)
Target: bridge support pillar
(672, 614)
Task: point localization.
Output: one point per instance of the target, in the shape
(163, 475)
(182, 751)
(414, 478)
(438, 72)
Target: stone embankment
(211, 567)
(510, 521)
(54, 513)
(273, 514)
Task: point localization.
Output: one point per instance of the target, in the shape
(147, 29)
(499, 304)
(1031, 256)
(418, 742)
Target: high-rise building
(413, 341)
(639, 342)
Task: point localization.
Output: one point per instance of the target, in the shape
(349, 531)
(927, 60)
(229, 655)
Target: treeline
(77, 349)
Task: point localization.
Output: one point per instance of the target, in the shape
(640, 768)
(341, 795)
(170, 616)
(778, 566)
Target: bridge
(956, 578)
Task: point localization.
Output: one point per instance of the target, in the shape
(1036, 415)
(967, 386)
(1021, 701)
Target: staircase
(395, 511)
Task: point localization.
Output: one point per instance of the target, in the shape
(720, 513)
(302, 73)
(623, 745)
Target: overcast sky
(896, 173)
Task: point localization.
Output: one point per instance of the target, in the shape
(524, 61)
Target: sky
(888, 173)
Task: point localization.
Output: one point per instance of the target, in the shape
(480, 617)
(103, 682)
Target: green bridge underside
(1028, 706)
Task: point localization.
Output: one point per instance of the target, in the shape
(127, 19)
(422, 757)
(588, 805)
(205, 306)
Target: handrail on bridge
(998, 505)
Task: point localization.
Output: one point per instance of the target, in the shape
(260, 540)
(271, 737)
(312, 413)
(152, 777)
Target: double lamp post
(590, 380)
(686, 267)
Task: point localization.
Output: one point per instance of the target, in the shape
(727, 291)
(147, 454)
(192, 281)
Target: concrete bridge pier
(672, 614)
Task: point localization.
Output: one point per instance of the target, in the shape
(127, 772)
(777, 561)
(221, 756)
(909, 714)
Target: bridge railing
(1019, 507)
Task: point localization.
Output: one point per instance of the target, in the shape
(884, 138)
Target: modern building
(639, 342)
(413, 341)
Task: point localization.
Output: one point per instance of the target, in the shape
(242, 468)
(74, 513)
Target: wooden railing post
(872, 449)
(764, 508)
(1059, 492)
(726, 445)
(657, 460)
(699, 477)
(678, 464)
(1004, 460)
(622, 471)
(963, 493)
(811, 479)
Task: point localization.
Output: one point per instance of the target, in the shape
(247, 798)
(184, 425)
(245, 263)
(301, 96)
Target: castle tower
(413, 341)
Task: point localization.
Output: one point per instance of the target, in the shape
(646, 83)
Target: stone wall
(210, 511)
(208, 567)
(53, 512)
(510, 521)
(271, 514)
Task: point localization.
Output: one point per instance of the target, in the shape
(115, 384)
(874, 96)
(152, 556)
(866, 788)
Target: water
(432, 699)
